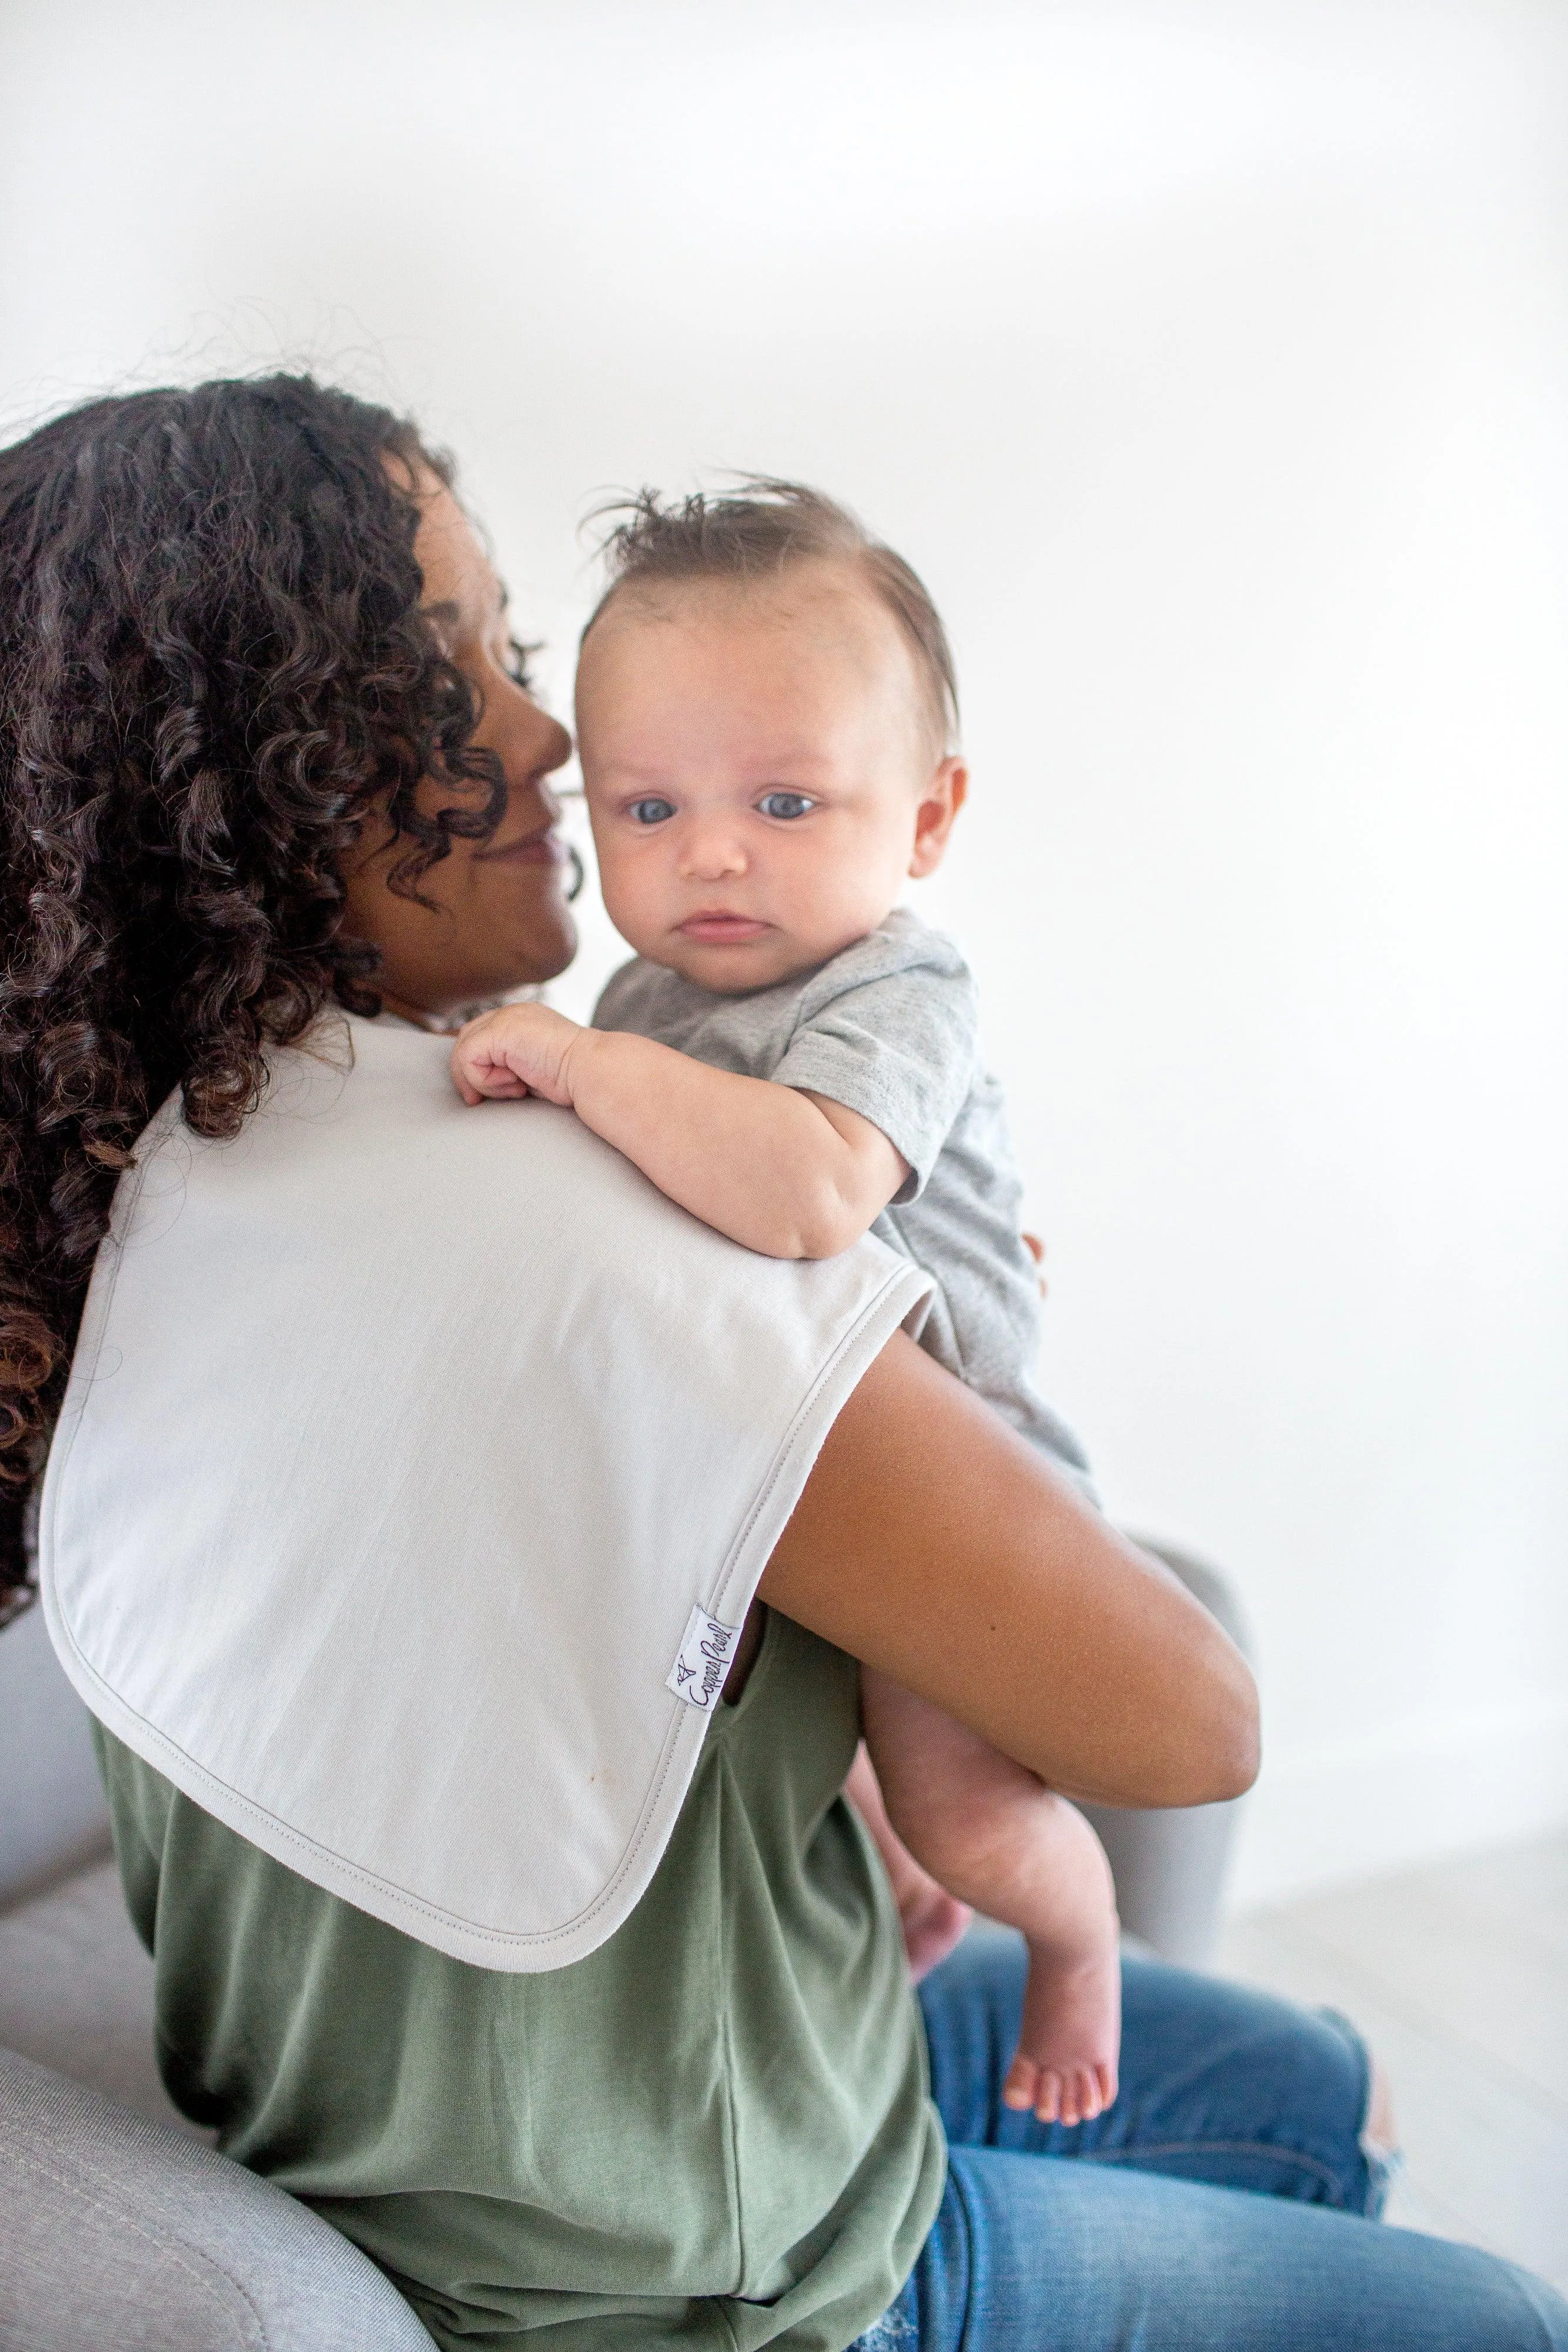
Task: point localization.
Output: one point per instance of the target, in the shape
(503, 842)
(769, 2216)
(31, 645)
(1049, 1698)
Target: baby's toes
(1047, 2097)
(1080, 2103)
(1019, 2090)
(1105, 2076)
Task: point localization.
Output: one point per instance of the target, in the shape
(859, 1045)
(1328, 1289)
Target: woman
(267, 745)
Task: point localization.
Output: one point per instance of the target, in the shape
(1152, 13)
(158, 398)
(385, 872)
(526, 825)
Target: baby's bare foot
(1065, 2065)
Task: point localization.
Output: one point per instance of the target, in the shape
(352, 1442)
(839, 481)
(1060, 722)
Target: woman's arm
(778, 1170)
(933, 1542)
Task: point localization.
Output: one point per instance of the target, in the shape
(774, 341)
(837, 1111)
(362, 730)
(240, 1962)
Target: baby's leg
(997, 1838)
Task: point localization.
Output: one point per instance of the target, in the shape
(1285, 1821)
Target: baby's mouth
(715, 929)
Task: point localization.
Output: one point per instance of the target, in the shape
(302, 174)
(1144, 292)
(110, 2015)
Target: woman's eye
(785, 805)
(651, 810)
(517, 668)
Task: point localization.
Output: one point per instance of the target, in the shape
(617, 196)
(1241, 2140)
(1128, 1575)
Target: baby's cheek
(634, 889)
(851, 897)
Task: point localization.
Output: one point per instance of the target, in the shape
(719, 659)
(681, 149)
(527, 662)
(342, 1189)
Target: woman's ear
(940, 802)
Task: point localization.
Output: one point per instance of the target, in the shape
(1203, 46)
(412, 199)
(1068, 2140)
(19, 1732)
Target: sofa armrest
(1170, 1867)
(54, 1816)
(123, 2235)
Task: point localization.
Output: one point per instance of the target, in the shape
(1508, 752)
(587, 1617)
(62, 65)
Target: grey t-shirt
(888, 1029)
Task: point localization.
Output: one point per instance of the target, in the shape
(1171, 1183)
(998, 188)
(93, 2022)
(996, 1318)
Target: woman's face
(501, 917)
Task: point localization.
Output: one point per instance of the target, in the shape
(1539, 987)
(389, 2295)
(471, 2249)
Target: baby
(766, 709)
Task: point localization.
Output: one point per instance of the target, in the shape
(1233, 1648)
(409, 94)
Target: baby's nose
(709, 853)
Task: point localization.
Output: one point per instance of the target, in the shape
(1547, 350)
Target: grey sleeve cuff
(913, 1116)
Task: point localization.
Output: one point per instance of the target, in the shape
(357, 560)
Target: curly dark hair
(213, 667)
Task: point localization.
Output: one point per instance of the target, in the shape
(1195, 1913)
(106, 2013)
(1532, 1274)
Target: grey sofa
(119, 2227)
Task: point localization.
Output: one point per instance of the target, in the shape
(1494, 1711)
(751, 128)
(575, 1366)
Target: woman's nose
(548, 747)
(555, 748)
(530, 800)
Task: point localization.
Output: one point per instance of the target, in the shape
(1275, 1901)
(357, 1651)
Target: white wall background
(1210, 360)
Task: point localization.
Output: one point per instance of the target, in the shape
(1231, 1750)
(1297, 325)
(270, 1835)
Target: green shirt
(714, 2130)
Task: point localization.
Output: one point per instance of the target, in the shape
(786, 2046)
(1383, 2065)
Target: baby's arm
(790, 1173)
(998, 1839)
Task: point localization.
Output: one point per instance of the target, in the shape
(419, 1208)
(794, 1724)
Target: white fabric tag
(703, 1660)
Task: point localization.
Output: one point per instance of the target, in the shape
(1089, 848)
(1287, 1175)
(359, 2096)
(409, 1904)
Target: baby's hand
(519, 1049)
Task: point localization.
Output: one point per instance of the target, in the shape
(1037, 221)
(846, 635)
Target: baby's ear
(940, 802)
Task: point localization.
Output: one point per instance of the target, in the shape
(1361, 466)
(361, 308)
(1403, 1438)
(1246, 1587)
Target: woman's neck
(414, 1014)
(448, 1022)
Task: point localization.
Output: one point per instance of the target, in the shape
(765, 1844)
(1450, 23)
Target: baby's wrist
(579, 1058)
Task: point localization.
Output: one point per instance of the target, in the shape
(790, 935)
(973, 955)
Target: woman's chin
(543, 952)
(553, 955)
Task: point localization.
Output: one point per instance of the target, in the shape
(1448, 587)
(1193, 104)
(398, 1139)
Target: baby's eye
(651, 810)
(785, 805)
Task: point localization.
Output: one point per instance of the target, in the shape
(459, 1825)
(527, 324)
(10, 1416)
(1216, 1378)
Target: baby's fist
(519, 1049)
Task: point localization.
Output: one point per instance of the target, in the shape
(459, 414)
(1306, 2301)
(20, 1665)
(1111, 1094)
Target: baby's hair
(764, 529)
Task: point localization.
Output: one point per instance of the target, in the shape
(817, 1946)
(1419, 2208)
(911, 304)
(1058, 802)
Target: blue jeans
(1224, 2204)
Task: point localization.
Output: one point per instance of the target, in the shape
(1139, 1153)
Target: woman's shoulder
(483, 1340)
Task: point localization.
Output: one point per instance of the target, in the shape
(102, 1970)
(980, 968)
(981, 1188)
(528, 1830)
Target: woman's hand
(933, 1920)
